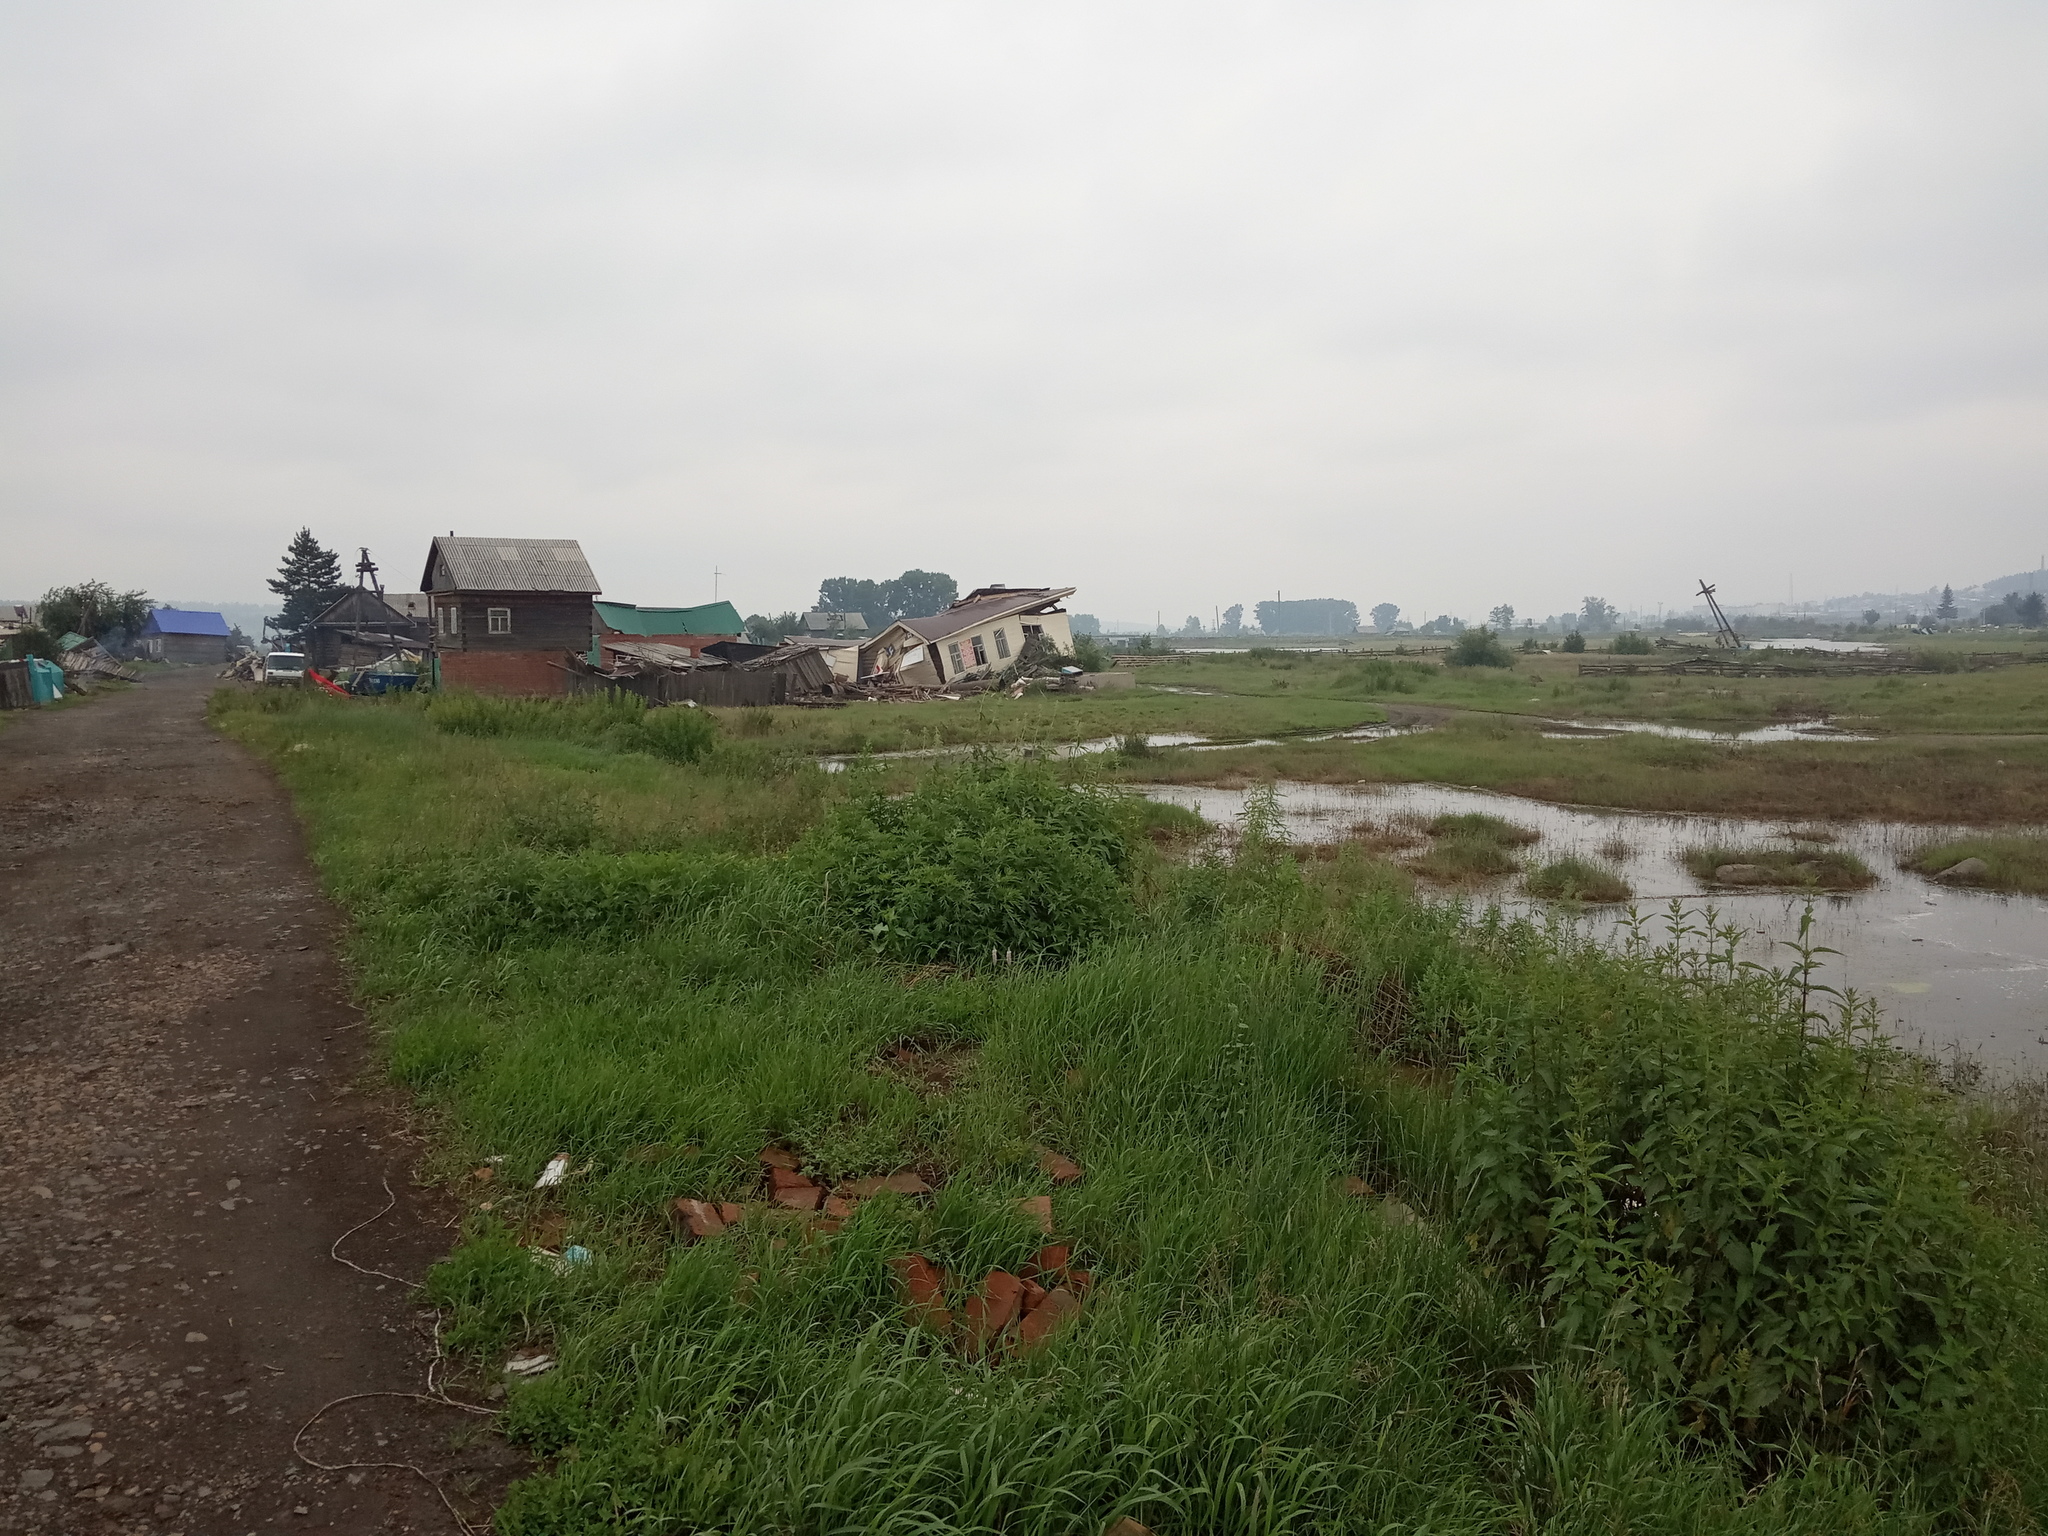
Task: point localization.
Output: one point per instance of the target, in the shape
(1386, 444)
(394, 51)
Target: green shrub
(1574, 642)
(679, 734)
(1089, 654)
(1631, 644)
(1479, 648)
(1760, 1219)
(985, 856)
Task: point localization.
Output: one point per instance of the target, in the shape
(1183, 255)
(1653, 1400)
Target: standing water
(1950, 968)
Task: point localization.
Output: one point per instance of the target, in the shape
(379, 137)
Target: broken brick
(1047, 1317)
(994, 1308)
(1128, 1527)
(732, 1215)
(1038, 1208)
(1357, 1188)
(839, 1207)
(1079, 1280)
(1034, 1293)
(1061, 1170)
(781, 1157)
(700, 1218)
(1050, 1262)
(800, 1197)
(926, 1288)
(780, 1179)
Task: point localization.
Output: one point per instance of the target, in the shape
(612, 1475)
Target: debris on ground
(1061, 1170)
(529, 1365)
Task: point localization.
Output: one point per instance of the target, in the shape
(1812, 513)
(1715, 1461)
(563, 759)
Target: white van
(284, 667)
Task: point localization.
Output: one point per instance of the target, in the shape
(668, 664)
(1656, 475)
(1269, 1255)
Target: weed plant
(1574, 879)
(1649, 1241)
(1802, 868)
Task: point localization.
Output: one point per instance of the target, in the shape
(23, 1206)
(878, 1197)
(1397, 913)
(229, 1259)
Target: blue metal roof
(184, 621)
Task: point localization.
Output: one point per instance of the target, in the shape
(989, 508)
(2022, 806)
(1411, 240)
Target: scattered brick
(926, 1289)
(839, 1207)
(800, 1197)
(1357, 1188)
(1045, 1319)
(783, 1178)
(781, 1157)
(995, 1307)
(1079, 1281)
(732, 1215)
(1034, 1293)
(1051, 1262)
(1039, 1209)
(1061, 1170)
(1128, 1527)
(700, 1218)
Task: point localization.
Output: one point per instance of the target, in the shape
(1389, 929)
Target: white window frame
(953, 651)
(498, 620)
(980, 651)
(1002, 646)
(448, 618)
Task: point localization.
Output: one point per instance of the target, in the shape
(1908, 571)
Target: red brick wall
(520, 672)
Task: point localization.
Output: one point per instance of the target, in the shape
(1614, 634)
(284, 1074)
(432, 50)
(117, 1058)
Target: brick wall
(519, 672)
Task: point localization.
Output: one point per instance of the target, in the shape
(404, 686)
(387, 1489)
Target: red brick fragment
(839, 1207)
(1128, 1527)
(1034, 1293)
(994, 1308)
(1061, 1170)
(926, 1288)
(780, 1179)
(1047, 1317)
(800, 1197)
(1357, 1188)
(700, 1218)
(1050, 1263)
(732, 1215)
(1039, 1209)
(1079, 1280)
(781, 1157)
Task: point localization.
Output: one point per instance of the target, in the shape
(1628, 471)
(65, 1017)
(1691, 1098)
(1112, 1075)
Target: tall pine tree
(308, 581)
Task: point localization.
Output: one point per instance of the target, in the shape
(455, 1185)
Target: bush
(984, 856)
(1631, 644)
(1479, 648)
(679, 734)
(1089, 655)
(1574, 642)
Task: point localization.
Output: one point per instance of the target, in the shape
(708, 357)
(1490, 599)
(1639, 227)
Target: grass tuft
(1571, 879)
(2014, 863)
(1804, 868)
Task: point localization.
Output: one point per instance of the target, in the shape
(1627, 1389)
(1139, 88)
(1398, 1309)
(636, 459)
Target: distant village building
(183, 634)
(507, 610)
(821, 625)
(359, 628)
(15, 617)
(689, 630)
(977, 636)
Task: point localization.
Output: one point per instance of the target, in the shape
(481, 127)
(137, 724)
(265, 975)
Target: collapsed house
(977, 637)
(690, 630)
(795, 673)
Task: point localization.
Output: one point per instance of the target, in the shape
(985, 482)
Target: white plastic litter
(556, 1171)
(530, 1365)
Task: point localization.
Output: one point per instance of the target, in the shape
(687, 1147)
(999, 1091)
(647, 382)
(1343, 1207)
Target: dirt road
(186, 1127)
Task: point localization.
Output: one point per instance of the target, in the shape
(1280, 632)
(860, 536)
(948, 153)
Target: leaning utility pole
(1724, 632)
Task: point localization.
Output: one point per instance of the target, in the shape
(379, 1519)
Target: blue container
(45, 680)
(387, 682)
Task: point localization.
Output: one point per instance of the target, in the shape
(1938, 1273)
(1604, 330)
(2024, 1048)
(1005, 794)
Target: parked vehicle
(284, 667)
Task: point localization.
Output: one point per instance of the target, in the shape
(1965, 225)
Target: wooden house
(360, 627)
(976, 637)
(506, 612)
(184, 634)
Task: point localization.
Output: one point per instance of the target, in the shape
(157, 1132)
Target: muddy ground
(188, 1121)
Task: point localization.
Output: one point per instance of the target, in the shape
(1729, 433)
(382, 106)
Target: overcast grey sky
(1440, 303)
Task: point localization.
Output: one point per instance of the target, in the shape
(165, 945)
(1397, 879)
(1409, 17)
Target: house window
(953, 650)
(449, 620)
(980, 654)
(501, 620)
(1002, 645)
(1033, 629)
(913, 656)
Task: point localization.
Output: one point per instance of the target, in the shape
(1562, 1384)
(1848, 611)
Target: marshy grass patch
(1477, 826)
(1617, 849)
(1471, 846)
(2015, 862)
(1804, 868)
(1574, 879)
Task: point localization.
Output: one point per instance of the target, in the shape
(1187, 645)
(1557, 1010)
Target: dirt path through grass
(184, 1137)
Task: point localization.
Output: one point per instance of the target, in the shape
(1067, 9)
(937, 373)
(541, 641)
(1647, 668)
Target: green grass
(2017, 863)
(1572, 879)
(1804, 868)
(1666, 1253)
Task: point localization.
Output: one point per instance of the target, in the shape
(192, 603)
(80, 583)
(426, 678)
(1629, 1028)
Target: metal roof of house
(184, 621)
(704, 619)
(507, 565)
(968, 614)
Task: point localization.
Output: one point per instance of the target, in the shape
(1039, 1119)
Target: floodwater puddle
(1790, 730)
(1377, 731)
(1949, 967)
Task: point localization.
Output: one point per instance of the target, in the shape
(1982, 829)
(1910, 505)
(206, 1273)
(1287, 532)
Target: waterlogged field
(1377, 1218)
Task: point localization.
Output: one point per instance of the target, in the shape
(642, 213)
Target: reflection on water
(1814, 645)
(1791, 730)
(1378, 731)
(1949, 967)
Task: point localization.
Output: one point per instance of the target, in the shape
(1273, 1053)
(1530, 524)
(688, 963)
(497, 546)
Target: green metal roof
(704, 619)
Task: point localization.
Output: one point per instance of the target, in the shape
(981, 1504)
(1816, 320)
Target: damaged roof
(507, 565)
(984, 606)
(704, 619)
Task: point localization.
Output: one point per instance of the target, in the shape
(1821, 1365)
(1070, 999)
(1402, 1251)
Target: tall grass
(1638, 1201)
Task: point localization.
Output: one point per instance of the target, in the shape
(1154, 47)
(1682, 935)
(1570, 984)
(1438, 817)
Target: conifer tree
(308, 581)
(1947, 610)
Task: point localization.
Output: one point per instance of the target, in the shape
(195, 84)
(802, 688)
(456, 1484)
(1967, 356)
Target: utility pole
(715, 574)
